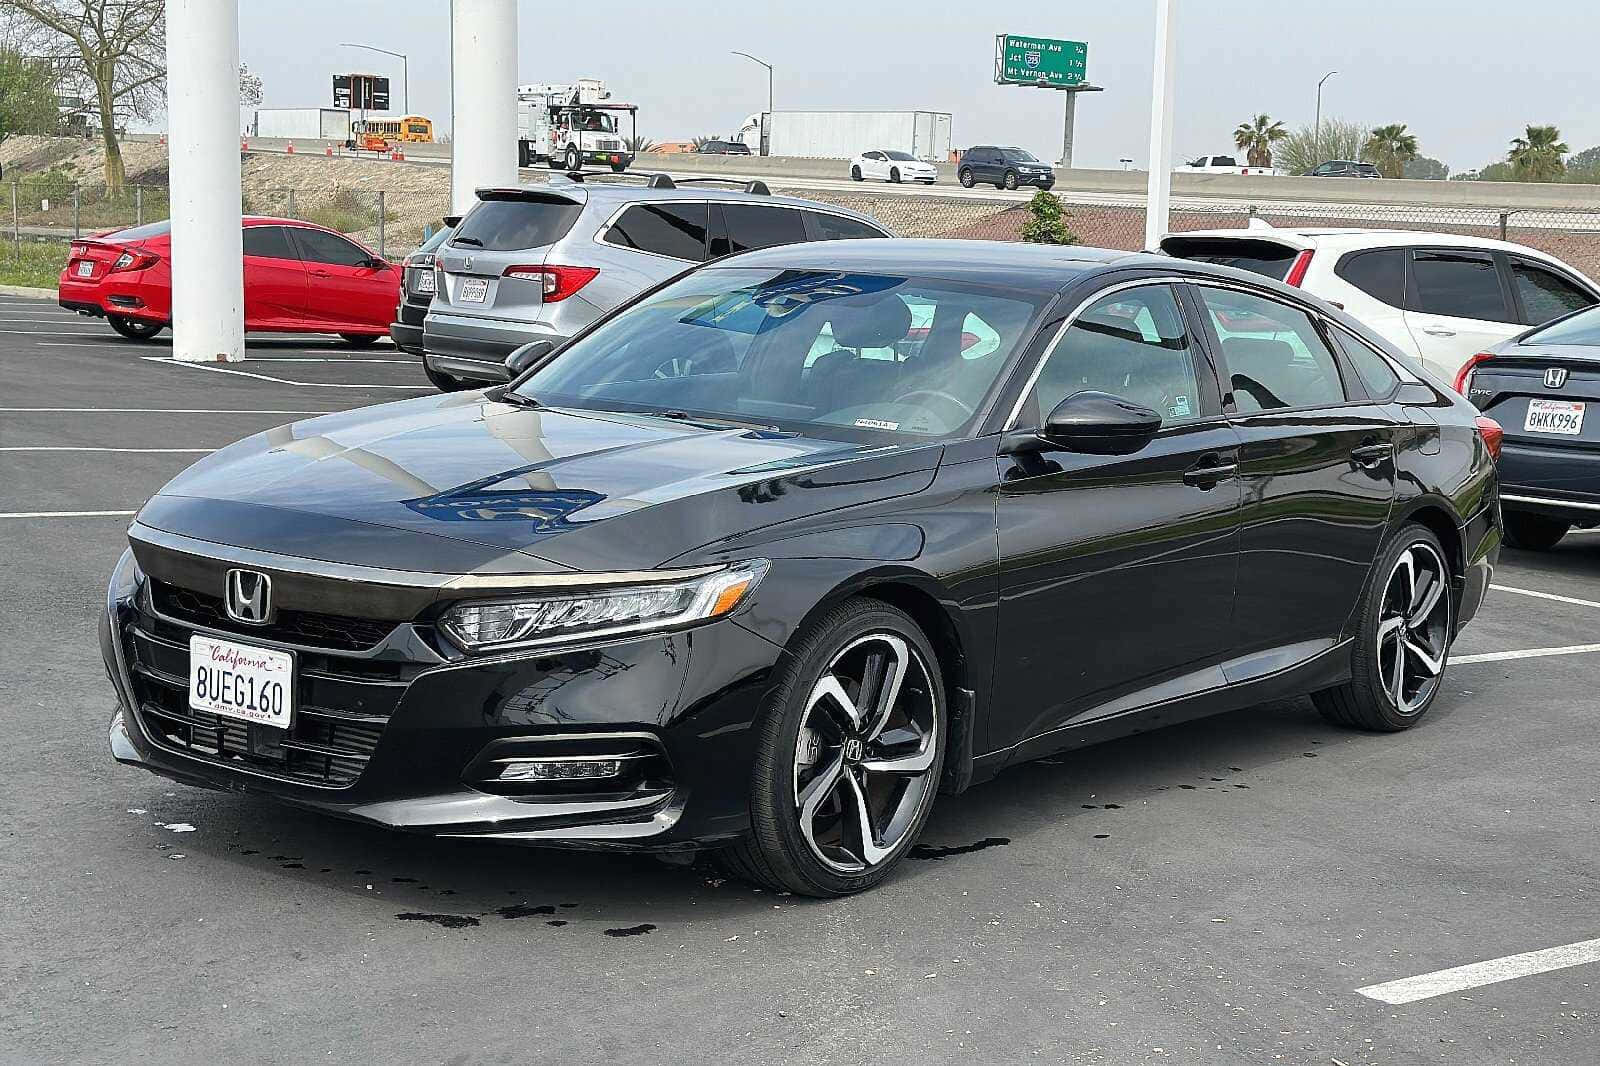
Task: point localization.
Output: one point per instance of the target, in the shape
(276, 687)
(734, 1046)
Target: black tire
(1367, 700)
(855, 174)
(618, 168)
(1010, 180)
(359, 340)
(524, 157)
(1534, 532)
(964, 176)
(444, 382)
(133, 329)
(894, 175)
(777, 854)
(573, 162)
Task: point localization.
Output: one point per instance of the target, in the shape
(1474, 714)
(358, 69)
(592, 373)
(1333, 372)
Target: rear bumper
(102, 298)
(1559, 481)
(476, 348)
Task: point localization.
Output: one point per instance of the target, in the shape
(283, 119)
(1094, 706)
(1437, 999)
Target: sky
(1466, 75)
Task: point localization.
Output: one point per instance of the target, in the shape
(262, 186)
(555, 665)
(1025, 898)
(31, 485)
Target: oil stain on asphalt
(632, 930)
(930, 851)
(449, 921)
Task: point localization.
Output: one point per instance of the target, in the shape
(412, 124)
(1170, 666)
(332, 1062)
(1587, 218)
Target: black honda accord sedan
(766, 560)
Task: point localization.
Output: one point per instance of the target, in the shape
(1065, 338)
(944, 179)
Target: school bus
(412, 128)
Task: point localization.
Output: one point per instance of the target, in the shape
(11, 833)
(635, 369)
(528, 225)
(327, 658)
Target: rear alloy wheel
(1010, 180)
(1407, 624)
(359, 340)
(855, 173)
(1534, 532)
(444, 382)
(894, 176)
(848, 758)
(133, 328)
(965, 178)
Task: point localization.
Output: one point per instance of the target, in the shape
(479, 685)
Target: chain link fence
(392, 222)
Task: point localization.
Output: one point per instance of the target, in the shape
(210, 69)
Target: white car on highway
(893, 166)
(1442, 297)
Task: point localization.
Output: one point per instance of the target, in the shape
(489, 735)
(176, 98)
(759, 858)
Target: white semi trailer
(570, 126)
(844, 134)
(303, 123)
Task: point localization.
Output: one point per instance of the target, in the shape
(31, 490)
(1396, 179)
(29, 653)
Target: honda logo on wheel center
(248, 597)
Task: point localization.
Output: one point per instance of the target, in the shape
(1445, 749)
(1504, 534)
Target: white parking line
(307, 359)
(65, 448)
(1545, 596)
(1529, 653)
(279, 381)
(1478, 974)
(67, 514)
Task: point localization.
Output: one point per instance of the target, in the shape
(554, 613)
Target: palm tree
(1256, 138)
(1538, 156)
(700, 142)
(1391, 148)
(639, 144)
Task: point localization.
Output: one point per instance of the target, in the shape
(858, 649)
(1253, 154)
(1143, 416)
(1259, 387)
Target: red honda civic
(298, 278)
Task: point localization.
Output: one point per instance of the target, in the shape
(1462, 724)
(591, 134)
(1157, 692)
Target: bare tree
(118, 51)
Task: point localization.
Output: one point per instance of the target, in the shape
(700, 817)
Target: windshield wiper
(516, 399)
(706, 420)
(468, 240)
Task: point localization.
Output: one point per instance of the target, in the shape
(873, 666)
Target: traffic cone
(289, 150)
(397, 156)
(244, 145)
(327, 149)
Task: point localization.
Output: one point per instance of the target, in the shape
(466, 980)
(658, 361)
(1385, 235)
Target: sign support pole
(1163, 101)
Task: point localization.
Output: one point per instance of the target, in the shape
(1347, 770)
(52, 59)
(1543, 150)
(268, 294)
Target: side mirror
(377, 263)
(524, 357)
(1093, 423)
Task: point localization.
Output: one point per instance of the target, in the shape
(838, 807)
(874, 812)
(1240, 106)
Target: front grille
(341, 708)
(292, 627)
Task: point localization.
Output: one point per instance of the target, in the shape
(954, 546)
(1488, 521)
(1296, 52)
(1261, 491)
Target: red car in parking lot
(298, 278)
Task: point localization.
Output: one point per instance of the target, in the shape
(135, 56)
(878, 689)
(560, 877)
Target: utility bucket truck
(568, 126)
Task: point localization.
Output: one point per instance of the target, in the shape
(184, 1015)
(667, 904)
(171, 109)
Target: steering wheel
(966, 412)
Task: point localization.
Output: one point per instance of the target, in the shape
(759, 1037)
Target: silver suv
(534, 263)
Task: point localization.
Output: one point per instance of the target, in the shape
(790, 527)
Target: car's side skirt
(1274, 673)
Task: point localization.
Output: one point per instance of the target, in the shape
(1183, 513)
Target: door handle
(1209, 471)
(321, 274)
(1371, 456)
(1436, 332)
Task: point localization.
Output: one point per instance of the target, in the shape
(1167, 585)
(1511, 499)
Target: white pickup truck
(1223, 164)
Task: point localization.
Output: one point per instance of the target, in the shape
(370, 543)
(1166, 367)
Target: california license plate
(1554, 416)
(474, 290)
(85, 268)
(241, 681)
(425, 282)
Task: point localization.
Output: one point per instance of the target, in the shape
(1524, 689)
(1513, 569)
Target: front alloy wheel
(849, 756)
(1408, 621)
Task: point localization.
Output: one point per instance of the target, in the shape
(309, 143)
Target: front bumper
(415, 724)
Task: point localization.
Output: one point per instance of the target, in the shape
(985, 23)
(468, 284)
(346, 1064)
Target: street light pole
(1317, 136)
(1163, 101)
(405, 72)
(766, 126)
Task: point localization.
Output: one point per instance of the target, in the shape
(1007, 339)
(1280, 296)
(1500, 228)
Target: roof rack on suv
(753, 186)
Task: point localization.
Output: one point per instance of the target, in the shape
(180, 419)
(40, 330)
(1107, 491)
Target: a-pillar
(203, 164)
(483, 105)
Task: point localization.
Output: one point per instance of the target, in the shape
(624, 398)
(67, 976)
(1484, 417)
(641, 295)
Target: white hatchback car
(892, 166)
(1440, 296)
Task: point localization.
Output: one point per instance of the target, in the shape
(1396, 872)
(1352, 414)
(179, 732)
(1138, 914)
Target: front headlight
(559, 616)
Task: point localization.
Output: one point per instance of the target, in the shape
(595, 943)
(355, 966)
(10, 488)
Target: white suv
(1440, 296)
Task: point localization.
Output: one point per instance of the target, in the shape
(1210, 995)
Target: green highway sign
(1040, 61)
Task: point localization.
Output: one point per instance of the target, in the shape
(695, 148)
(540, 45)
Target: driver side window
(1133, 344)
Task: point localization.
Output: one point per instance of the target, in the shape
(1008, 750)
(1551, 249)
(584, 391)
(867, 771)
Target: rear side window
(675, 230)
(1457, 285)
(839, 228)
(317, 246)
(1375, 372)
(1381, 274)
(1545, 295)
(269, 242)
(1268, 258)
(1276, 358)
(509, 225)
(751, 226)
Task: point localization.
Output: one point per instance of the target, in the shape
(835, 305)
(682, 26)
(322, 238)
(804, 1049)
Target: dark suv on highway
(1004, 168)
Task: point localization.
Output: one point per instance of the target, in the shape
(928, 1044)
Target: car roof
(1356, 237)
(1037, 268)
(608, 196)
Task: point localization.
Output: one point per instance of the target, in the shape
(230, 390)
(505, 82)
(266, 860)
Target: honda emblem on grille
(248, 597)
(1555, 377)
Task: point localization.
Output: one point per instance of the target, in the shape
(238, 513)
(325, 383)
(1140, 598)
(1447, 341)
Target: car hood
(459, 483)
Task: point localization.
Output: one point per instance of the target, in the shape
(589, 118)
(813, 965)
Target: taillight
(1297, 269)
(558, 282)
(133, 261)
(1464, 375)
(1493, 436)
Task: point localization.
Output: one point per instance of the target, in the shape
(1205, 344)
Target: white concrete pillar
(483, 104)
(1163, 100)
(203, 159)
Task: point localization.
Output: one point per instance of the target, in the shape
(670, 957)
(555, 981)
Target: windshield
(1581, 328)
(825, 352)
(439, 236)
(901, 157)
(594, 122)
(1020, 155)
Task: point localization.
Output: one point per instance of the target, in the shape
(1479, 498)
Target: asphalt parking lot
(1211, 893)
